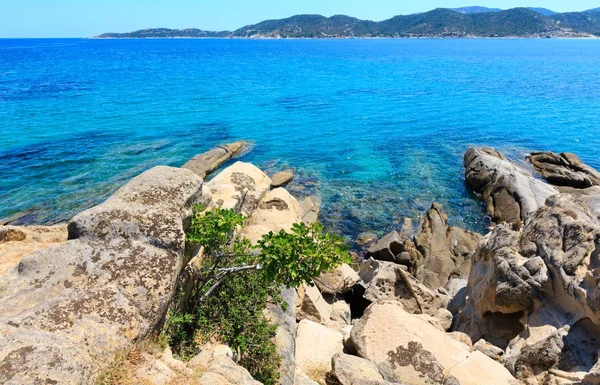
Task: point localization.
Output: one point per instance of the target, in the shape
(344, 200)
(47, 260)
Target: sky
(85, 18)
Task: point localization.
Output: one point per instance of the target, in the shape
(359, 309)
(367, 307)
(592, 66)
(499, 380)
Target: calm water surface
(376, 127)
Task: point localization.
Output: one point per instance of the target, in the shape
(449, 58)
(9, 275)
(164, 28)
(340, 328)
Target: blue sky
(82, 18)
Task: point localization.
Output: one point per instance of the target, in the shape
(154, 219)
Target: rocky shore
(426, 304)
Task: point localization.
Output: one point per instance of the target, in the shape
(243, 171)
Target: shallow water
(377, 127)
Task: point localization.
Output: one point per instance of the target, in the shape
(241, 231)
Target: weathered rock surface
(510, 192)
(66, 309)
(438, 252)
(285, 339)
(282, 178)
(352, 370)
(535, 291)
(315, 347)
(446, 251)
(338, 281)
(18, 241)
(389, 281)
(310, 207)
(408, 349)
(395, 247)
(240, 186)
(205, 163)
(277, 210)
(564, 169)
(312, 305)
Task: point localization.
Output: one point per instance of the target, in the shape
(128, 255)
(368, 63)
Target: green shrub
(238, 281)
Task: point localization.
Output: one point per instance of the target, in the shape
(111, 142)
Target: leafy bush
(238, 281)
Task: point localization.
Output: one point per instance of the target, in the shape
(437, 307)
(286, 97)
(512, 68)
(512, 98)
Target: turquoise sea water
(376, 127)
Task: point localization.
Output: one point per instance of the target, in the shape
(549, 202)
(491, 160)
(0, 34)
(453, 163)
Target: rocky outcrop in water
(205, 163)
(564, 169)
(509, 192)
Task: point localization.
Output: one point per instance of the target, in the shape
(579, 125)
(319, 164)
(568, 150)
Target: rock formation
(67, 309)
(509, 192)
(437, 252)
(564, 169)
(534, 292)
(205, 163)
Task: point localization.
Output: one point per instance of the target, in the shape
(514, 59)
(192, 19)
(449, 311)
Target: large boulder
(205, 163)
(240, 186)
(18, 241)
(509, 191)
(390, 281)
(66, 309)
(277, 210)
(409, 350)
(564, 169)
(534, 291)
(395, 247)
(315, 347)
(337, 281)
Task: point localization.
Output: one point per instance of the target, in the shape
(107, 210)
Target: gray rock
(310, 207)
(282, 178)
(533, 289)
(66, 309)
(389, 281)
(285, 339)
(395, 247)
(564, 169)
(510, 192)
(446, 251)
(205, 163)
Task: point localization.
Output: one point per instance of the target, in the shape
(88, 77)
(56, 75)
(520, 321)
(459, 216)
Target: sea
(376, 127)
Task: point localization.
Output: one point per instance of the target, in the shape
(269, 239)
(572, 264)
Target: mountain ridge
(437, 23)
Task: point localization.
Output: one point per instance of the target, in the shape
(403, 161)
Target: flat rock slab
(205, 163)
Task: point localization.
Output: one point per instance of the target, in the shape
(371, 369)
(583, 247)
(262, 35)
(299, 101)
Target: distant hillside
(475, 9)
(165, 33)
(593, 10)
(441, 22)
(543, 11)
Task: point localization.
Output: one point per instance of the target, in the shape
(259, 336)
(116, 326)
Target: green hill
(441, 22)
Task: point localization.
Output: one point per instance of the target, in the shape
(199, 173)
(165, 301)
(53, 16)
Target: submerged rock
(66, 309)
(509, 192)
(282, 178)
